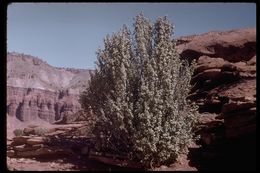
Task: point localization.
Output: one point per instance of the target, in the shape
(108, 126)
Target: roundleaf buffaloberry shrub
(136, 99)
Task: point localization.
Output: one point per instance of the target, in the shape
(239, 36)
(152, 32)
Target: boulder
(205, 63)
(212, 74)
(237, 106)
(44, 152)
(28, 147)
(35, 153)
(10, 153)
(35, 141)
(234, 46)
(224, 85)
(17, 140)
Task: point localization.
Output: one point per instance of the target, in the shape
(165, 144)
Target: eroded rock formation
(29, 104)
(36, 90)
(225, 90)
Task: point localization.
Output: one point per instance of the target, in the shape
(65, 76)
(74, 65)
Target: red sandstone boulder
(233, 46)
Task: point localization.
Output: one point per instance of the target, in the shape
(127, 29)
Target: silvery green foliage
(18, 132)
(40, 131)
(136, 100)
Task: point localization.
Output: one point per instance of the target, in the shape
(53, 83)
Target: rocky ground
(58, 148)
(25, 164)
(63, 147)
(62, 164)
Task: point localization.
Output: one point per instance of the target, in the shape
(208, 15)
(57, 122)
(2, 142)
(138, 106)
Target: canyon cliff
(224, 87)
(36, 90)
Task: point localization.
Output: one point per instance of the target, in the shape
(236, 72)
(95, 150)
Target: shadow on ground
(235, 155)
(84, 164)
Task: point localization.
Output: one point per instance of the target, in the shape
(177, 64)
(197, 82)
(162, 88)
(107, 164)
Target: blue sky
(68, 34)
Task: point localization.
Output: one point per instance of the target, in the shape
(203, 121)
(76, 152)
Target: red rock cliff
(37, 90)
(225, 90)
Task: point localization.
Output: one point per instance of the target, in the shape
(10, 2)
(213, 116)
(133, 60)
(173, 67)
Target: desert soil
(71, 163)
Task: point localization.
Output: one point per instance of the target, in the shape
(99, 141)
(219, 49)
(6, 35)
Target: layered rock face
(225, 90)
(36, 90)
(30, 104)
(46, 142)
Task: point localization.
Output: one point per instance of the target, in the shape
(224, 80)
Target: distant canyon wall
(30, 104)
(36, 90)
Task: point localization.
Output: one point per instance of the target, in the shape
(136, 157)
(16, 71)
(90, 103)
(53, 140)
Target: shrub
(18, 132)
(40, 131)
(136, 99)
(28, 131)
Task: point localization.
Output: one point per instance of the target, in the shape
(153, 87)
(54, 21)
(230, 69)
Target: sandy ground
(26, 164)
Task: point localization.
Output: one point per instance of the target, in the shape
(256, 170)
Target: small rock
(19, 147)
(249, 99)
(8, 142)
(163, 167)
(53, 165)
(20, 160)
(20, 140)
(28, 148)
(35, 141)
(10, 153)
(252, 61)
